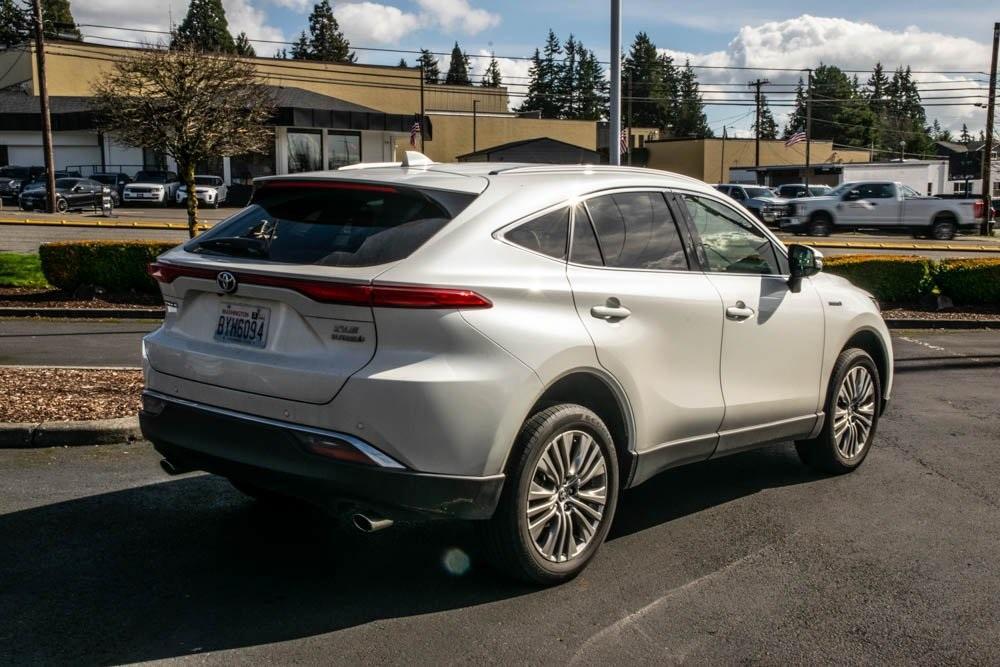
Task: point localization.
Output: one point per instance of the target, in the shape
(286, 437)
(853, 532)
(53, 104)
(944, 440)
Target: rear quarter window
(546, 234)
(333, 224)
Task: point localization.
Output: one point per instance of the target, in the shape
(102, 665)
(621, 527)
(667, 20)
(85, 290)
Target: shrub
(117, 266)
(970, 281)
(891, 278)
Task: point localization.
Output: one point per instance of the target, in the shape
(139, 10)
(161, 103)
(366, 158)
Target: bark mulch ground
(968, 313)
(53, 298)
(57, 394)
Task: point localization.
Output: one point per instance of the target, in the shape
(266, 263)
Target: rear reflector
(351, 294)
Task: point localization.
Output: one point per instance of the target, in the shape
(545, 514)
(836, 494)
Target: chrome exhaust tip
(367, 524)
(172, 468)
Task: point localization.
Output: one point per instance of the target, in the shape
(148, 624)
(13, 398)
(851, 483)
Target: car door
(773, 337)
(870, 204)
(656, 323)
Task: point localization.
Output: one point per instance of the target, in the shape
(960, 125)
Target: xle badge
(347, 332)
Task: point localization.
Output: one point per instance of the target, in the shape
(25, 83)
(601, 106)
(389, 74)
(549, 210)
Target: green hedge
(891, 278)
(117, 266)
(970, 281)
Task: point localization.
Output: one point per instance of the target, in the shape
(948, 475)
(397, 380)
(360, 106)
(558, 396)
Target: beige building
(712, 159)
(329, 114)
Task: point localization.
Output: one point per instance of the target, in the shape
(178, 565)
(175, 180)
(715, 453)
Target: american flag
(414, 131)
(796, 138)
(623, 140)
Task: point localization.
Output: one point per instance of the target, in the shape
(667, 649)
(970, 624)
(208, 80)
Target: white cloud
(451, 15)
(369, 22)
(809, 40)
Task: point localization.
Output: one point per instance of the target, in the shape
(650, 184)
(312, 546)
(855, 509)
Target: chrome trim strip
(375, 455)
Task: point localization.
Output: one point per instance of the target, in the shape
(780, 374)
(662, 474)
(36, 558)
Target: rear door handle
(739, 312)
(612, 311)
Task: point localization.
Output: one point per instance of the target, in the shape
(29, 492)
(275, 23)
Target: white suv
(513, 344)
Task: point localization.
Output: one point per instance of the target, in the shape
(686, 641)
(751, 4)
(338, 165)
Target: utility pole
(756, 144)
(628, 123)
(423, 120)
(615, 121)
(809, 124)
(987, 226)
(43, 98)
(722, 160)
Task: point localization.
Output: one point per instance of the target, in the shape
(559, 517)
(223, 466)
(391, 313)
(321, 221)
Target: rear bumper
(269, 454)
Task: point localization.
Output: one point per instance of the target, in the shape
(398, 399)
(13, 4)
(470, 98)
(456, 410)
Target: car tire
(552, 554)
(852, 408)
(62, 205)
(943, 229)
(820, 225)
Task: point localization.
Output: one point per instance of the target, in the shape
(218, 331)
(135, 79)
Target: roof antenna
(415, 159)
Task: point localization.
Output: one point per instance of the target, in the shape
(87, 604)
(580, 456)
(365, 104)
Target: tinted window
(108, 179)
(546, 234)
(151, 177)
(759, 193)
(584, 250)
(731, 243)
(66, 182)
(207, 180)
(340, 225)
(877, 191)
(636, 230)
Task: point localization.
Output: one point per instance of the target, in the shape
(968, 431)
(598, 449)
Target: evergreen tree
(551, 105)
(458, 68)
(876, 90)
(982, 136)
(905, 118)
(535, 94)
(939, 133)
(797, 119)
(594, 88)
(768, 126)
(326, 42)
(643, 72)
(491, 77)
(402, 63)
(204, 28)
(840, 109)
(964, 137)
(567, 85)
(58, 19)
(15, 23)
(669, 92)
(244, 47)
(281, 54)
(427, 61)
(691, 119)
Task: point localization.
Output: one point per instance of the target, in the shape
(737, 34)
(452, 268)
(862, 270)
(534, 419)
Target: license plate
(243, 324)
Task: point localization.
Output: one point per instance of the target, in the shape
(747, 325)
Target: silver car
(511, 344)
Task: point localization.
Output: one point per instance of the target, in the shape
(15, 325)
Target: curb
(67, 434)
(109, 224)
(85, 313)
(942, 324)
(912, 247)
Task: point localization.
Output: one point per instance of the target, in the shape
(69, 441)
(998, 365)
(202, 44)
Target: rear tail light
(978, 208)
(352, 294)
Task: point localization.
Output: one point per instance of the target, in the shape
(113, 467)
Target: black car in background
(13, 179)
(71, 194)
(115, 181)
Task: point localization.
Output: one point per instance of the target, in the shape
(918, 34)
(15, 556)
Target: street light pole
(902, 148)
(987, 226)
(809, 125)
(43, 99)
(615, 121)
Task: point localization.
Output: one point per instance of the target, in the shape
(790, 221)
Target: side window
(546, 234)
(731, 243)
(877, 191)
(738, 194)
(635, 230)
(584, 250)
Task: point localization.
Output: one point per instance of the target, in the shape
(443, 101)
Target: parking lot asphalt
(34, 342)
(748, 559)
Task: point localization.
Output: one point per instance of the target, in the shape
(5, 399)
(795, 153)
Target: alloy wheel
(854, 413)
(567, 496)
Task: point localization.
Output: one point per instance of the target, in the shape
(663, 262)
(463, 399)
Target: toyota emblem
(226, 282)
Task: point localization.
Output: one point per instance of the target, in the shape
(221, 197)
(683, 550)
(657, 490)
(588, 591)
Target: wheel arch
(599, 392)
(871, 342)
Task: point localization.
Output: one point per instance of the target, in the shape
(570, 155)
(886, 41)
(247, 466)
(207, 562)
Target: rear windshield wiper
(235, 245)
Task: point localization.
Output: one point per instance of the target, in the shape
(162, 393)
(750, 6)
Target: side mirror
(803, 261)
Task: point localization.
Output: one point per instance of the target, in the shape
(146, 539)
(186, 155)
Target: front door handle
(613, 310)
(739, 312)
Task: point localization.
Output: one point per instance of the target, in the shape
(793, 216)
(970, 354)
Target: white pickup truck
(882, 205)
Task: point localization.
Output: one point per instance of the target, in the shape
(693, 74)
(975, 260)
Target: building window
(244, 168)
(4, 159)
(342, 148)
(153, 160)
(305, 150)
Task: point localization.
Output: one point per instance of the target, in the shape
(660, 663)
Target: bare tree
(191, 106)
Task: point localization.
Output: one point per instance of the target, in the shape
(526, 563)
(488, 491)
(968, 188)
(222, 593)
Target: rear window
(333, 224)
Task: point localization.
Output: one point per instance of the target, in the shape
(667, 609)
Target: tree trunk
(187, 172)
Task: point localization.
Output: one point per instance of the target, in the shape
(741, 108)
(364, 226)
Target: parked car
(13, 179)
(797, 190)
(114, 180)
(71, 194)
(151, 187)
(210, 191)
(546, 337)
(759, 200)
(881, 205)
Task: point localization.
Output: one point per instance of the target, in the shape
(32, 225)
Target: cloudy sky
(931, 36)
